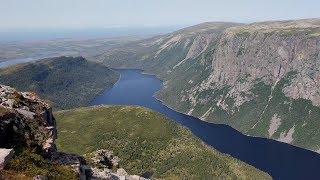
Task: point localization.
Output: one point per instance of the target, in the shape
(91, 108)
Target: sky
(59, 14)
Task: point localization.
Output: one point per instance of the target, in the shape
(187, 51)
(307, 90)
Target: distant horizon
(30, 34)
(172, 26)
(17, 35)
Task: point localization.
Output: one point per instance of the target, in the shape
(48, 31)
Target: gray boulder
(5, 156)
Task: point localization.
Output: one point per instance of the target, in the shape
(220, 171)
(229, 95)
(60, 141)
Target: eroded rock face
(268, 52)
(26, 119)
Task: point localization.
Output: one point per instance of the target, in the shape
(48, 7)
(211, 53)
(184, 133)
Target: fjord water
(280, 160)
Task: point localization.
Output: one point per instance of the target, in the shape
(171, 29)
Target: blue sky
(141, 13)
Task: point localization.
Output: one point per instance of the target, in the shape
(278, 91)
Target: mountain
(65, 81)
(165, 51)
(262, 79)
(147, 143)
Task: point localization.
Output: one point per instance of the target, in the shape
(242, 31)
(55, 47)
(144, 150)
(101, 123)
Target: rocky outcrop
(107, 174)
(26, 119)
(40, 177)
(27, 122)
(105, 159)
(104, 165)
(5, 157)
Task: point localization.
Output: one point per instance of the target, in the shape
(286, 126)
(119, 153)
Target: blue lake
(280, 160)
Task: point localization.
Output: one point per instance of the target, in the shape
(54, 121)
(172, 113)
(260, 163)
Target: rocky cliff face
(262, 78)
(265, 80)
(268, 52)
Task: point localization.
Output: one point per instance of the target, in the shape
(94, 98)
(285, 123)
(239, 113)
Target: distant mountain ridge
(261, 78)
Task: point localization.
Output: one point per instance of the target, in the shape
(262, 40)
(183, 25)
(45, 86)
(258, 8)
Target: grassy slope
(26, 164)
(66, 81)
(146, 141)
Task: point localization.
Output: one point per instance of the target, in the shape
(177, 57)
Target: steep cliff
(264, 81)
(161, 54)
(262, 78)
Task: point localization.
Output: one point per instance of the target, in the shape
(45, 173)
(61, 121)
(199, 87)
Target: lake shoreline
(138, 88)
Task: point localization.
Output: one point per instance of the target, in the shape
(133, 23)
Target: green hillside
(66, 81)
(146, 141)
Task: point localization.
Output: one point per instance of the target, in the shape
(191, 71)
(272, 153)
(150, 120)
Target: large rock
(40, 177)
(105, 159)
(105, 166)
(122, 172)
(26, 119)
(73, 160)
(5, 156)
(107, 174)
